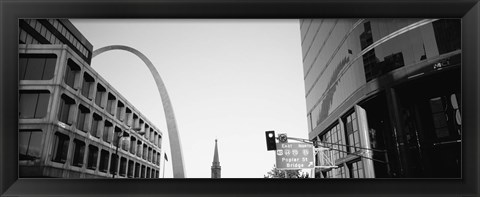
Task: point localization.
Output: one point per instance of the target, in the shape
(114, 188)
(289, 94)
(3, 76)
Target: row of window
(112, 105)
(42, 67)
(34, 104)
(414, 42)
(104, 129)
(337, 139)
(350, 170)
(343, 141)
(99, 159)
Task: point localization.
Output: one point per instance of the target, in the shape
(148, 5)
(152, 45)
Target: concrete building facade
(385, 95)
(72, 122)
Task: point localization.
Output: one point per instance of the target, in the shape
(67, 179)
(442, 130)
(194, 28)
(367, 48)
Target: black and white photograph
(300, 98)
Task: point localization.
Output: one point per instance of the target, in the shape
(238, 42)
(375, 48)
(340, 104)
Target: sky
(228, 79)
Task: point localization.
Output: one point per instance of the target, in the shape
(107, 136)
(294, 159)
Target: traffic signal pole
(320, 146)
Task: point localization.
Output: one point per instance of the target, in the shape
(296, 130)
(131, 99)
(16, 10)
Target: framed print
(230, 98)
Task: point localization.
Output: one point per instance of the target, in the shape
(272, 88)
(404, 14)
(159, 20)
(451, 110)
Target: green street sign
(292, 156)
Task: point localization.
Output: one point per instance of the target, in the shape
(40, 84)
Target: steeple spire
(216, 168)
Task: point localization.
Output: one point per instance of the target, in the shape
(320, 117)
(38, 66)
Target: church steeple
(216, 168)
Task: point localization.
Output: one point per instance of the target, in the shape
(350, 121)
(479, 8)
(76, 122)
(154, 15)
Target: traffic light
(271, 143)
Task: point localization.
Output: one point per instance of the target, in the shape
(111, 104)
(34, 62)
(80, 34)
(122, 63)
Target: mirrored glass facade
(394, 86)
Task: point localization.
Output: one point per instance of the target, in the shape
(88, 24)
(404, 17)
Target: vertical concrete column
(397, 126)
(365, 140)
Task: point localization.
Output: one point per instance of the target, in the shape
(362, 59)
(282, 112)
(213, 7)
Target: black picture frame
(11, 11)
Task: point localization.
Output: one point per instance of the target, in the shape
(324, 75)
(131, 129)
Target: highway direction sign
(295, 156)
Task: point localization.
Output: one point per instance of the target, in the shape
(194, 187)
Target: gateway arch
(174, 138)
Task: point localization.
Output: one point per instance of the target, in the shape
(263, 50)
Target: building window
(142, 173)
(310, 126)
(133, 145)
(60, 150)
(87, 85)
(71, 73)
(113, 164)
(332, 138)
(65, 109)
(142, 129)
(125, 143)
(128, 117)
(148, 173)
(149, 156)
(136, 124)
(33, 103)
(36, 66)
(82, 117)
(154, 156)
(92, 157)
(110, 103)
(104, 161)
(94, 130)
(356, 169)
(147, 131)
(139, 148)
(159, 142)
(352, 132)
(340, 172)
(131, 167)
(145, 152)
(29, 144)
(155, 138)
(118, 132)
(158, 159)
(152, 135)
(123, 166)
(78, 153)
(439, 117)
(120, 109)
(99, 95)
(137, 170)
(107, 131)
(448, 34)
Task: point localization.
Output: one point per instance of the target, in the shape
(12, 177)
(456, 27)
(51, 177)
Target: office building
(385, 96)
(72, 122)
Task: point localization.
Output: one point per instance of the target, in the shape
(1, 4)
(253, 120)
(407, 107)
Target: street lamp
(119, 136)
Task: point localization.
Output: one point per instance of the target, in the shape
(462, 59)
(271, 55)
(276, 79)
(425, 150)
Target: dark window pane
(113, 164)
(49, 68)
(27, 104)
(22, 67)
(103, 161)
(29, 144)
(23, 141)
(35, 68)
(78, 154)
(35, 147)
(61, 148)
(447, 34)
(42, 105)
(95, 123)
(92, 157)
(71, 73)
(81, 117)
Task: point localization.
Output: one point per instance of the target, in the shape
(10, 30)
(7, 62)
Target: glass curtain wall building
(73, 123)
(385, 95)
